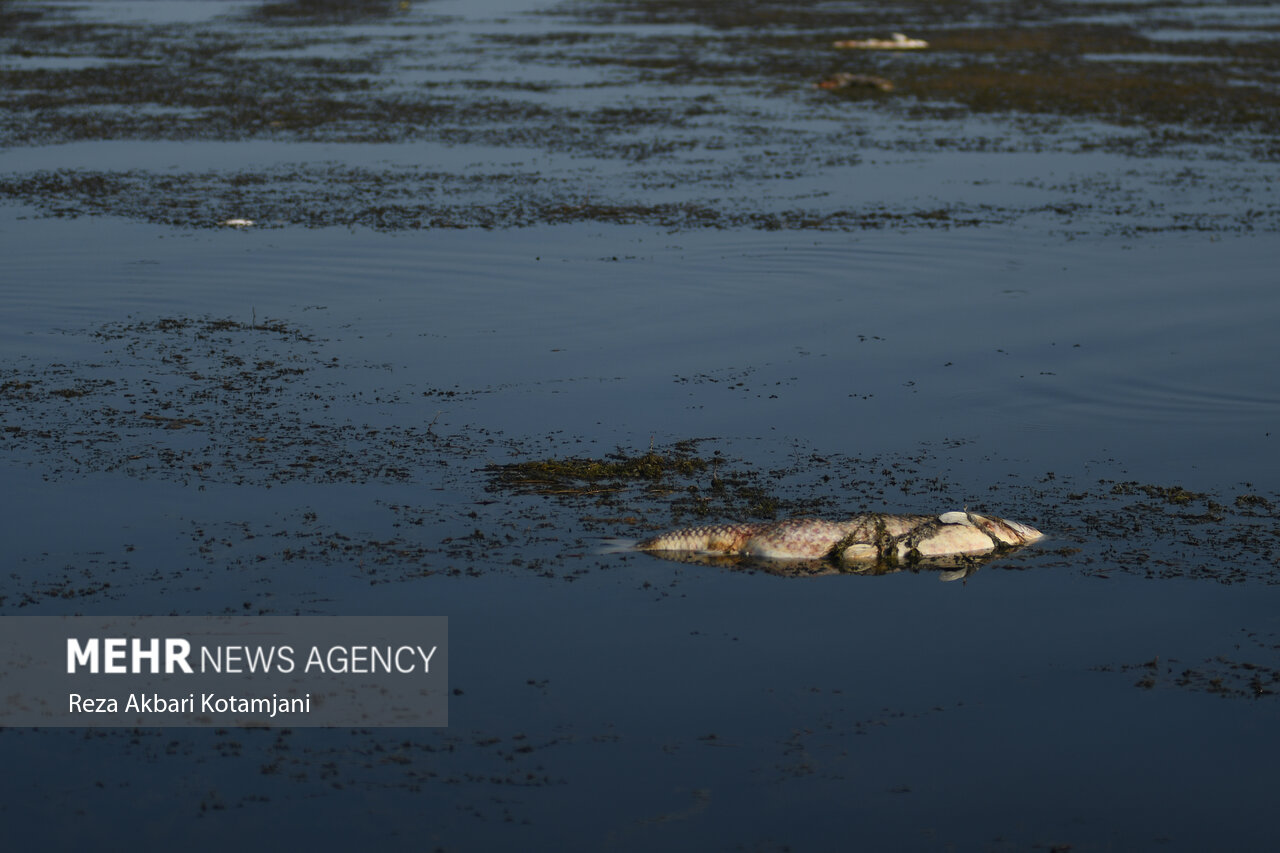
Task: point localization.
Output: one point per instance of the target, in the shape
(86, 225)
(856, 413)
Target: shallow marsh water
(625, 225)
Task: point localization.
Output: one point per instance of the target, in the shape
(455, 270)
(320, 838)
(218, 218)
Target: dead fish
(861, 539)
(845, 80)
(897, 41)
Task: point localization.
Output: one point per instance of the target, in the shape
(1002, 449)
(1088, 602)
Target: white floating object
(236, 223)
(896, 42)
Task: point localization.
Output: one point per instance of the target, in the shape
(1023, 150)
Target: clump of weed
(575, 475)
(1251, 504)
(675, 481)
(1169, 494)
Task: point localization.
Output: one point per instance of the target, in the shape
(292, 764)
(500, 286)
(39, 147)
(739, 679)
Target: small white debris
(897, 42)
(236, 223)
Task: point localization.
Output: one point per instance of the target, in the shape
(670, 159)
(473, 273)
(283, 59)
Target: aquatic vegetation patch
(211, 399)
(1169, 494)
(1157, 531)
(645, 491)
(1251, 504)
(657, 113)
(576, 475)
(994, 58)
(1229, 676)
(399, 200)
(1123, 95)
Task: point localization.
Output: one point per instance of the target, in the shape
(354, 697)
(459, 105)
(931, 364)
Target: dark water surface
(494, 233)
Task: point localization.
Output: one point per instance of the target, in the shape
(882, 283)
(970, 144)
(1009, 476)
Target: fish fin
(617, 546)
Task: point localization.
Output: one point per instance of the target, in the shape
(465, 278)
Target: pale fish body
(897, 42)
(871, 537)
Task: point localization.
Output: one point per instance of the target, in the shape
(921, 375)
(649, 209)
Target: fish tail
(617, 546)
(1004, 531)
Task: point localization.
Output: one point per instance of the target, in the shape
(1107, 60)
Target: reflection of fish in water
(861, 540)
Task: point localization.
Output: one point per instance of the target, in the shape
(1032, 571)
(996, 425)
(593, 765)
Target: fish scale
(707, 538)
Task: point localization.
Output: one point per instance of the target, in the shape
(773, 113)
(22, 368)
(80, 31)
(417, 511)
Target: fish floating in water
(845, 80)
(863, 540)
(897, 42)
